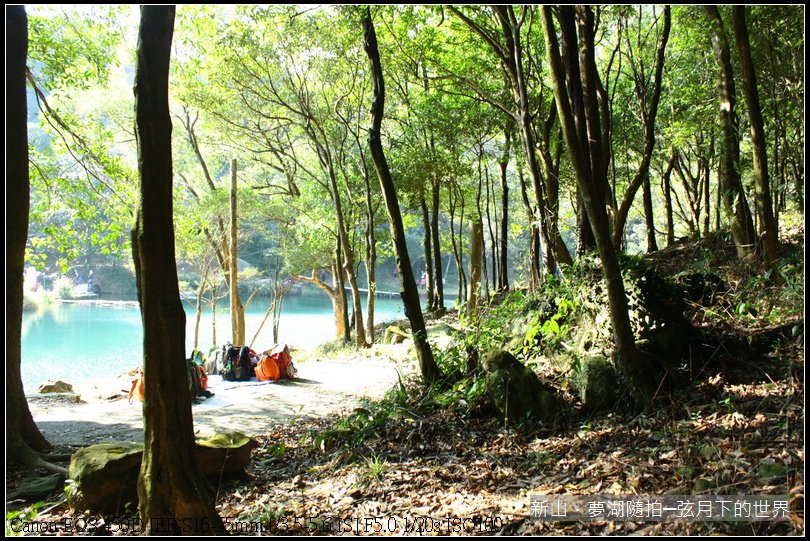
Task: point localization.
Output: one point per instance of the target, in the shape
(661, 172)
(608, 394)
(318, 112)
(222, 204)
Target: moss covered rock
(104, 477)
(227, 452)
(516, 391)
(596, 383)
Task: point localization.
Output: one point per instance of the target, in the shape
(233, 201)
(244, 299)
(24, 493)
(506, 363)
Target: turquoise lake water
(79, 342)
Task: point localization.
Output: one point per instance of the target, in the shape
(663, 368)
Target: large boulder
(104, 477)
(517, 392)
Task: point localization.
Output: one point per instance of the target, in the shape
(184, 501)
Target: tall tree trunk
(348, 255)
(534, 235)
(652, 245)
(707, 204)
(371, 259)
(493, 242)
(476, 264)
(551, 170)
(575, 106)
(409, 293)
(198, 305)
(667, 190)
(342, 308)
(735, 205)
(480, 217)
(503, 264)
(768, 231)
(237, 310)
(214, 300)
(23, 438)
(221, 247)
(437, 249)
(427, 244)
(171, 484)
(451, 208)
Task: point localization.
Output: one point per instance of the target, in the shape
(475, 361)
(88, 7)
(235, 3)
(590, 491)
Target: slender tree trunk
(480, 215)
(451, 208)
(198, 307)
(214, 300)
(476, 264)
(347, 255)
(371, 260)
(171, 484)
(768, 231)
(652, 245)
(23, 437)
(707, 176)
(492, 241)
(667, 190)
(534, 235)
(735, 205)
(237, 310)
(409, 293)
(429, 276)
(503, 264)
(342, 308)
(510, 54)
(437, 249)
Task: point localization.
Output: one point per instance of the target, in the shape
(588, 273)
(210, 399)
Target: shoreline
(100, 302)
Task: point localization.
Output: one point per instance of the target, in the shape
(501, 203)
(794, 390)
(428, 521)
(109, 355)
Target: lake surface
(80, 342)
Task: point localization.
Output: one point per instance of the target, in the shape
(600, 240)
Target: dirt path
(323, 388)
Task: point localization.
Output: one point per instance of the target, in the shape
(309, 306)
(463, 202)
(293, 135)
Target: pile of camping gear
(232, 363)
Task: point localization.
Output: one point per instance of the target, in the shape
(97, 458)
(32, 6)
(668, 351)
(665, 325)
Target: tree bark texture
(476, 263)
(735, 205)
(171, 485)
(768, 231)
(237, 310)
(666, 188)
(503, 260)
(408, 290)
(438, 271)
(23, 437)
(427, 244)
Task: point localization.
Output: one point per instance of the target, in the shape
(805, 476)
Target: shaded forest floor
(424, 462)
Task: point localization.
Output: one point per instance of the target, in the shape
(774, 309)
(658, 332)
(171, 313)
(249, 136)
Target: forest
(593, 217)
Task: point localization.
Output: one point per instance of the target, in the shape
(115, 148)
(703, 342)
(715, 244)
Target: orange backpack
(275, 364)
(137, 386)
